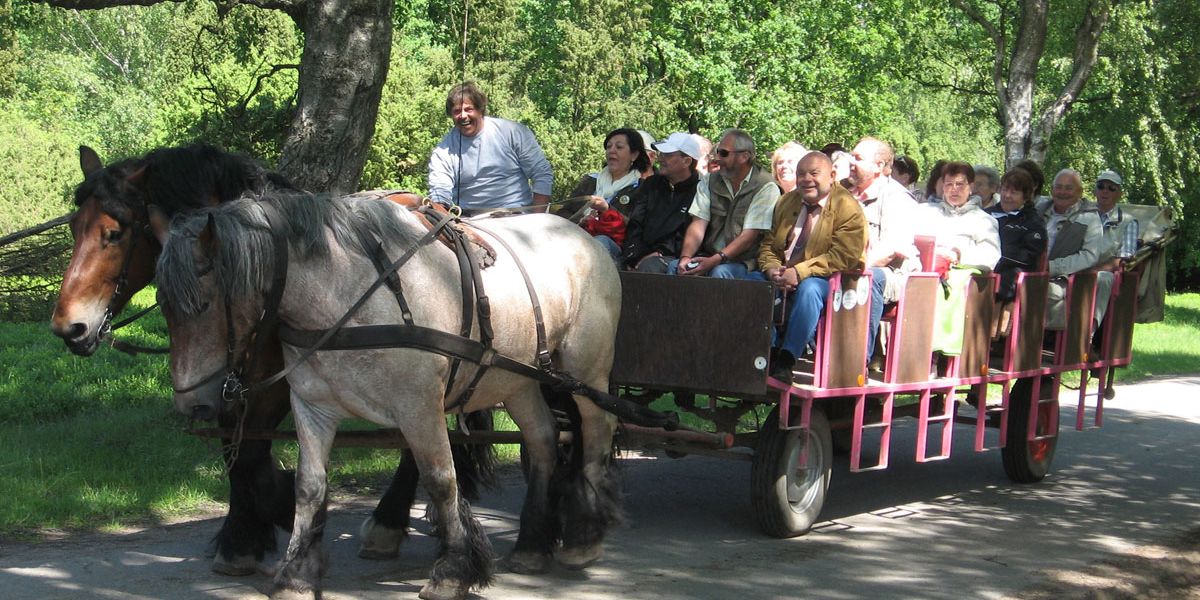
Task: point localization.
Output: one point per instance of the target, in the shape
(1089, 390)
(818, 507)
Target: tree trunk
(347, 46)
(1023, 137)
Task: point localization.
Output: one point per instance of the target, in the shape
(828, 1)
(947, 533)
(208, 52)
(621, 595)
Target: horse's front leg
(299, 574)
(538, 534)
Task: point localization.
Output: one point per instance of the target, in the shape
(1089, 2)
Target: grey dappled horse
(217, 267)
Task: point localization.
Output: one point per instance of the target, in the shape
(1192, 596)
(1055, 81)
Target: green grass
(94, 443)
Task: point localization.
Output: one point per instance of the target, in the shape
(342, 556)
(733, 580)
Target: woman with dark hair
(933, 185)
(1022, 239)
(1022, 230)
(612, 186)
(906, 172)
(1035, 172)
(611, 191)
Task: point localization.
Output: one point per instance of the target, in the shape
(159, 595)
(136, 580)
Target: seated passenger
(967, 242)
(966, 235)
(783, 165)
(660, 218)
(906, 172)
(613, 188)
(1022, 231)
(731, 211)
(1076, 241)
(1120, 231)
(890, 211)
(987, 183)
(1022, 241)
(818, 229)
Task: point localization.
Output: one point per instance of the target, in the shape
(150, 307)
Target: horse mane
(244, 249)
(180, 178)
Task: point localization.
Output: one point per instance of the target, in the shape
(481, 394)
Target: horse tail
(475, 464)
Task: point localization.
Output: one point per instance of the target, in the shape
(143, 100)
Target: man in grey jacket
(1076, 242)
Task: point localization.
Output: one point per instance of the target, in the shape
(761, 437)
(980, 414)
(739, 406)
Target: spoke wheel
(786, 492)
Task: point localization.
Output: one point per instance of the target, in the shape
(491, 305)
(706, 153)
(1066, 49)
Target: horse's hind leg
(591, 501)
(387, 527)
(299, 575)
(260, 494)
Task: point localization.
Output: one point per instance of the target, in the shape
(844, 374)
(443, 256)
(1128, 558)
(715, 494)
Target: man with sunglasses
(732, 209)
(1120, 230)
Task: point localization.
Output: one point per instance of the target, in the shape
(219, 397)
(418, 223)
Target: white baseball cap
(679, 142)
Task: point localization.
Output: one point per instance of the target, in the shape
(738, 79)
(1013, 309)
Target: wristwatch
(724, 258)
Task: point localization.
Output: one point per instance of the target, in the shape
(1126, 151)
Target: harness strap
(377, 337)
(379, 258)
(329, 333)
(468, 305)
(543, 349)
(486, 334)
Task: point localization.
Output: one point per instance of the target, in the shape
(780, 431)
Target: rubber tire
(1026, 461)
(773, 474)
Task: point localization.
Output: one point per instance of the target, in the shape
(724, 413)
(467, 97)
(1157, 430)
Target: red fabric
(610, 223)
(941, 266)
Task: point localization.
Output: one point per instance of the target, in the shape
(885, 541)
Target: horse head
(209, 290)
(113, 254)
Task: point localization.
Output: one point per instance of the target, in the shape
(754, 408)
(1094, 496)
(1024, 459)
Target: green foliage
(40, 168)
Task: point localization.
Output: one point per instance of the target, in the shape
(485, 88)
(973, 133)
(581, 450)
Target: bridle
(138, 229)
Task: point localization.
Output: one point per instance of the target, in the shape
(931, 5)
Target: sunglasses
(1112, 187)
(723, 153)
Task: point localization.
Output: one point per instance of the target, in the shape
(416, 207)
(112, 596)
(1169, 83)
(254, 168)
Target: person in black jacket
(1022, 231)
(660, 216)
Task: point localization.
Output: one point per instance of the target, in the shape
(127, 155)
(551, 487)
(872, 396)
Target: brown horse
(114, 256)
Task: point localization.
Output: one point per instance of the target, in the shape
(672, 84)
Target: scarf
(607, 188)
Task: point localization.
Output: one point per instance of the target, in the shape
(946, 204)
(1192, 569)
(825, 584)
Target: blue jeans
(610, 246)
(878, 281)
(804, 313)
(734, 270)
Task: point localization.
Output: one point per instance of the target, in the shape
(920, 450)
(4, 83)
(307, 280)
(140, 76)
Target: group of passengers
(711, 210)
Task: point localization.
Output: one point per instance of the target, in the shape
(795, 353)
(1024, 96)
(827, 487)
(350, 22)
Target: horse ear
(89, 161)
(160, 223)
(135, 178)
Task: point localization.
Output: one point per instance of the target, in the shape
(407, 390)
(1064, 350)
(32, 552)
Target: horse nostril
(75, 331)
(203, 412)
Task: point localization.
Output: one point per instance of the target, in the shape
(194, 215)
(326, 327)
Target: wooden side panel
(694, 334)
(849, 316)
(1031, 320)
(977, 332)
(1123, 312)
(1079, 318)
(912, 348)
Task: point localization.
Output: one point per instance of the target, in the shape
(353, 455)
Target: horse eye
(112, 236)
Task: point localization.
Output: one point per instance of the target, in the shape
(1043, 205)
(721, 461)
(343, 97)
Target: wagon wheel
(1028, 461)
(786, 494)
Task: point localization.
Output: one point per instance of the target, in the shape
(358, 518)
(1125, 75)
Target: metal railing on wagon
(707, 336)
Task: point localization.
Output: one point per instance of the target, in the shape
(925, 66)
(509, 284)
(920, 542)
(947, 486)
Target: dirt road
(1114, 516)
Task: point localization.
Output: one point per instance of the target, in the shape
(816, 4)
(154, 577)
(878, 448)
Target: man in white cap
(660, 214)
(1120, 230)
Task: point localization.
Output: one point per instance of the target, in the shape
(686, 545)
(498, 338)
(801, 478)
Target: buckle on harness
(543, 360)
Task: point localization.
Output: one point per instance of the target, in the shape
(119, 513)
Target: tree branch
(287, 6)
(1087, 40)
(1000, 50)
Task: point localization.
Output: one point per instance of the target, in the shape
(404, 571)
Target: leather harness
(446, 226)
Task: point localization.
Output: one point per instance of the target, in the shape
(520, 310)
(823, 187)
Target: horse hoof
(286, 594)
(240, 566)
(579, 557)
(528, 563)
(379, 542)
(444, 590)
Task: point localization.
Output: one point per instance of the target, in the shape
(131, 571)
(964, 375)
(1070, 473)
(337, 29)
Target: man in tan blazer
(818, 229)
